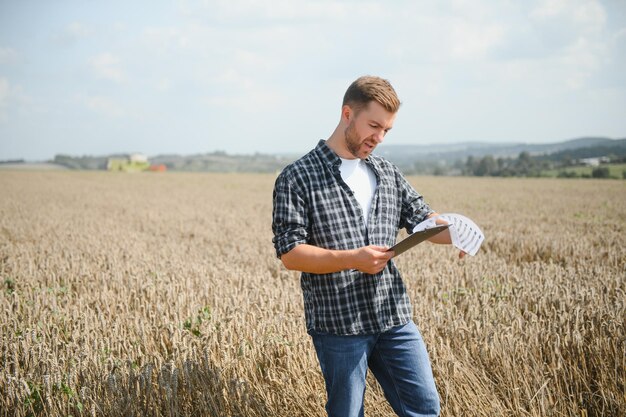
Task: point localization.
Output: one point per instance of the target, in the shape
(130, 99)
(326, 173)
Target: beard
(353, 142)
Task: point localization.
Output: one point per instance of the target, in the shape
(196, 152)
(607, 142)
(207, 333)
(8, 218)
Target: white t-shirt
(361, 181)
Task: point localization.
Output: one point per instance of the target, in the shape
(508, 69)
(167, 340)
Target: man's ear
(346, 113)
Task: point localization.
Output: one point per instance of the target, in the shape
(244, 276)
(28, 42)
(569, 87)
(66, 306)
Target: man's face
(367, 129)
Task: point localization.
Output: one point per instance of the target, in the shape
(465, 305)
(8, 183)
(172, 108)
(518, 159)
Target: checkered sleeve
(290, 219)
(414, 208)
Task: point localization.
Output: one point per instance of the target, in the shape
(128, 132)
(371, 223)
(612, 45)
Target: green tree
(470, 165)
(601, 172)
(524, 164)
(486, 166)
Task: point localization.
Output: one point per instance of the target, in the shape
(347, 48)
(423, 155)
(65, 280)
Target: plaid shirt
(313, 205)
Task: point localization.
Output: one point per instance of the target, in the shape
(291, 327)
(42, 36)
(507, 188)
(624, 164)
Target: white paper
(464, 233)
(426, 224)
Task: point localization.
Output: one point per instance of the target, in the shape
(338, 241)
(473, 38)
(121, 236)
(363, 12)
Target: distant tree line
(526, 165)
(81, 162)
(522, 166)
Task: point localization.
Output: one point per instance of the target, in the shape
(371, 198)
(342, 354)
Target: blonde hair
(369, 88)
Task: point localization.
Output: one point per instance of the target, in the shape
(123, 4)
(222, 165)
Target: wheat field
(160, 295)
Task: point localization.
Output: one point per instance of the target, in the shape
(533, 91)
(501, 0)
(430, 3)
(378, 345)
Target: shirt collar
(328, 156)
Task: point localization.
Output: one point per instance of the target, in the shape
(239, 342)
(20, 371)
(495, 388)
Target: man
(336, 212)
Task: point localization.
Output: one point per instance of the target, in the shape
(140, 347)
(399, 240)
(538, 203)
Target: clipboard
(417, 237)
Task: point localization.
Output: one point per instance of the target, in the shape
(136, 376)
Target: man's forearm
(444, 237)
(309, 258)
(369, 259)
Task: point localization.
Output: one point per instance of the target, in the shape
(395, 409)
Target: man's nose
(379, 136)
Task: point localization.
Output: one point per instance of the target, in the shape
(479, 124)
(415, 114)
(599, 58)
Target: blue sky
(245, 76)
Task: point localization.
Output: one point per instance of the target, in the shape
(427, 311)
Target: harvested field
(160, 295)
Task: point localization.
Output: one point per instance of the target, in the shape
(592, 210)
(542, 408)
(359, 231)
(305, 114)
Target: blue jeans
(399, 361)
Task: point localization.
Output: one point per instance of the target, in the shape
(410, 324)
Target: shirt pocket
(389, 204)
(332, 219)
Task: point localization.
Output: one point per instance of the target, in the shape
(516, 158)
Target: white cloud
(78, 30)
(255, 60)
(244, 92)
(553, 75)
(551, 48)
(474, 41)
(163, 40)
(4, 99)
(127, 109)
(102, 105)
(108, 66)
(214, 60)
(254, 100)
(549, 8)
(163, 84)
(588, 15)
(582, 60)
(16, 103)
(7, 55)
(13, 99)
(72, 33)
(279, 9)
(558, 26)
(620, 35)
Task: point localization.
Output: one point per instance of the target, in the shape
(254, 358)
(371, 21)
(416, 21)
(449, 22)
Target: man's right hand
(371, 259)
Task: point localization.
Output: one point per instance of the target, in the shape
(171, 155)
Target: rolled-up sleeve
(289, 218)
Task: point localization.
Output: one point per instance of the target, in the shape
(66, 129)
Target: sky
(244, 76)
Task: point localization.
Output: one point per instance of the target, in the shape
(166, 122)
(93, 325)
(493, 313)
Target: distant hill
(407, 155)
